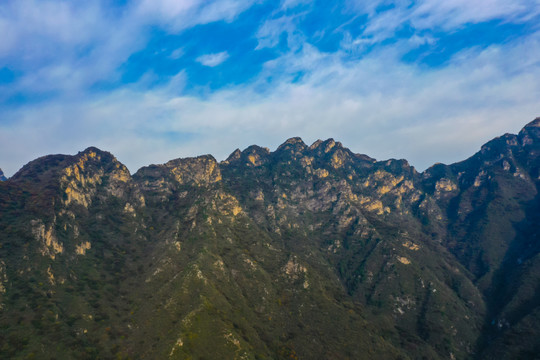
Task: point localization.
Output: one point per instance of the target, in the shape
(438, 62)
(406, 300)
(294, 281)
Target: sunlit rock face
(310, 252)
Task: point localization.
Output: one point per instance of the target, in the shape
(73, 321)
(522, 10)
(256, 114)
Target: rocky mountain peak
(256, 155)
(398, 166)
(93, 149)
(329, 144)
(294, 144)
(533, 124)
(294, 140)
(198, 171)
(320, 147)
(42, 169)
(315, 144)
(90, 169)
(94, 157)
(53, 166)
(235, 155)
(253, 155)
(530, 134)
(2, 177)
(255, 149)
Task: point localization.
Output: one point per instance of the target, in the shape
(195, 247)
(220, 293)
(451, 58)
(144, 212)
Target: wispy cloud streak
(212, 60)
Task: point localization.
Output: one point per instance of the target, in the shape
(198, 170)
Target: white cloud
(177, 54)
(288, 4)
(377, 106)
(271, 30)
(454, 13)
(445, 15)
(213, 60)
(178, 15)
(66, 47)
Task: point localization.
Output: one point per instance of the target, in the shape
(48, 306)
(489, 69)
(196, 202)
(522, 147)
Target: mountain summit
(306, 252)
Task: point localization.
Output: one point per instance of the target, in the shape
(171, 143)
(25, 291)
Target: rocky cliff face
(305, 252)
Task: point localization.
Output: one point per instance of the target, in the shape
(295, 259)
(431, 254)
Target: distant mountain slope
(309, 252)
(2, 177)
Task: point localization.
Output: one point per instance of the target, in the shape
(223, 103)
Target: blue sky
(154, 80)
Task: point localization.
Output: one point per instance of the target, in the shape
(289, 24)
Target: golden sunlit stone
(445, 185)
(47, 238)
(81, 248)
(411, 246)
(252, 159)
(403, 260)
(322, 173)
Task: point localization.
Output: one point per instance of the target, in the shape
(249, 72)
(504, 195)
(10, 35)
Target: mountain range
(306, 252)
